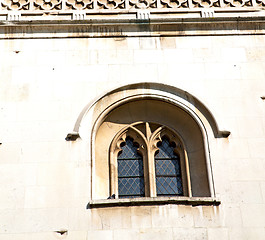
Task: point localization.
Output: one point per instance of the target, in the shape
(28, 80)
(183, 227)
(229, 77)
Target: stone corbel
(72, 136)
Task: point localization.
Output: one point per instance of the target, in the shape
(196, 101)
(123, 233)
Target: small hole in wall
(61, 234)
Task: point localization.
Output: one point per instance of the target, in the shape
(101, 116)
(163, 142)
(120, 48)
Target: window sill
(145, 201)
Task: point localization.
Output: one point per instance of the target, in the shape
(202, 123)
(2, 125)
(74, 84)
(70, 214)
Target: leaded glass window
(167, 169)
(130, 171)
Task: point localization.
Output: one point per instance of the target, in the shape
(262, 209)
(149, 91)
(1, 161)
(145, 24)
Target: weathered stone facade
(77, 76)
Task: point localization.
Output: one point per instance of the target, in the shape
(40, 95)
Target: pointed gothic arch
(160, 104)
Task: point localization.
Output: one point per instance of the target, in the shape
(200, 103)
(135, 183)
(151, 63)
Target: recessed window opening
(130, 170)
(167, 169)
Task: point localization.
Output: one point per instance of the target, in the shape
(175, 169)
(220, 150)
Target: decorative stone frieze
(92, 8)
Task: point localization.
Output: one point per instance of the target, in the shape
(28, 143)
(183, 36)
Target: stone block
(198, 42)
(253, 215)
(233, 218)
(233, 54)
(254, 233)
(141, 217)
(176, 56)
(149, 43)
(79, 219)
(253, 127)
(206, 54)
(190, 233)
(236, 148)
(246, 170)
(218, 234)
(262, 186)
(155, 234)
(167, 42)
(100, 235)
(76, 235)
(12, 197)
(55, 174)
(172, 216)
(33, 220)
(246, 192)
(256, 147)
(128, 234)
(48, 197)
(251, 71)
(17, 175)
(147, 56)
(9, 152)
(111, 218)
(115, 57)
(208, 216)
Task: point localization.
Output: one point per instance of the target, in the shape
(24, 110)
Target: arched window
(130, 170)
(168, 170)
(149, 148)
(148, 160)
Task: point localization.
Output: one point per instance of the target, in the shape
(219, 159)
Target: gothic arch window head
(148, 159)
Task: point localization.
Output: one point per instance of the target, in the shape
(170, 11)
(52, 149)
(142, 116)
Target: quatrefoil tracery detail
(80, 4)
(15, 4)
(143, 4)
(174, 3)
(239, 3)
(111, 4)
(206, 3)
(48, 4)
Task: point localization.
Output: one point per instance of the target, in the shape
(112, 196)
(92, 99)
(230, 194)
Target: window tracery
(148, 159)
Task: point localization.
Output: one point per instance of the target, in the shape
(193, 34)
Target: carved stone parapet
(141, 10)
(100, 6)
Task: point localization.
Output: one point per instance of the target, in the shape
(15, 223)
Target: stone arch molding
(97, 110)
(97, 113)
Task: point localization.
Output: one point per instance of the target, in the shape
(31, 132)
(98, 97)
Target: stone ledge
(133, 28)
(148, 201)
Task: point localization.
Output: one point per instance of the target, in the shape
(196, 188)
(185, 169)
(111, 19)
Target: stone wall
(46, 180)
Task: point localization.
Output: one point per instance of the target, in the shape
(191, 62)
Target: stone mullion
(31, 5)
(190, 3)
(127, 4)
(146, 176)
(114, 174)
(151, 171)
(222, 4)
(63, 5)
(159, 5)
(187, 171)
(254, 3)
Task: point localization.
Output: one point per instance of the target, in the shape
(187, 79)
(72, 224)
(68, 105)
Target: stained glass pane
(130, 171)
(168, 174)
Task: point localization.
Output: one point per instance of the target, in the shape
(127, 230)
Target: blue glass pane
(130, 171)
(169, 186)
(129, 150)
(130, 168)
(131, 187)
(167, 167)
(168, 174)
(165, 150)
